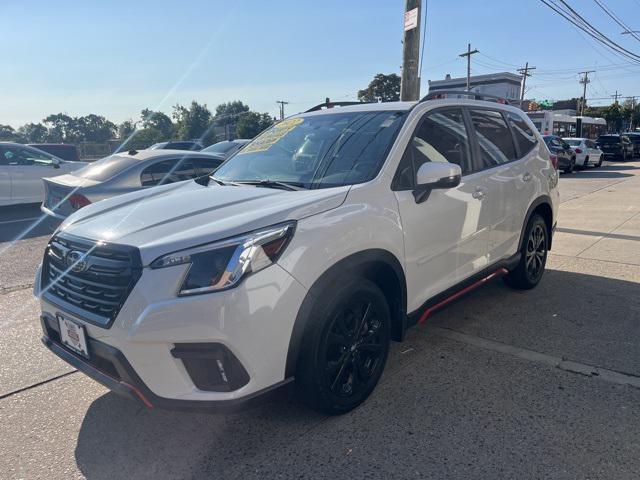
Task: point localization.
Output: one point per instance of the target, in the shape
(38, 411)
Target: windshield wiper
(273, 184)
(220, 182)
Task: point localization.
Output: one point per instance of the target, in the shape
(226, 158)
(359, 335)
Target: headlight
(222, 265)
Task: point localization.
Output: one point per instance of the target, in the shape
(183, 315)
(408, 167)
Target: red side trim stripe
(429, 310)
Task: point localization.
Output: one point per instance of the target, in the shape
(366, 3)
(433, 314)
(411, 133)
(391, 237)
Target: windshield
(317, 151)
(105, 168)
(573, 142)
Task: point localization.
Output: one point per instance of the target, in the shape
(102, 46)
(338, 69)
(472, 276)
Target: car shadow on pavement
(18, 222)
(586, 318)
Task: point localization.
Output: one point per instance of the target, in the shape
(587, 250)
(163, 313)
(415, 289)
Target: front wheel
(533, 256)
(599, 164)
(345, 348)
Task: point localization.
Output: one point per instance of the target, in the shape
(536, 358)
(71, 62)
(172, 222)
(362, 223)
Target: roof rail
(437, 94)
(333, 104)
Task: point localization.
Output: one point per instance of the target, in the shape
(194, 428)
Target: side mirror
(435, 176)
(56, 163)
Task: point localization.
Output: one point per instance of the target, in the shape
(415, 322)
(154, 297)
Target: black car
(65, 151)
(634, 138)
(562, 150)
(192, 145)
(615, 147)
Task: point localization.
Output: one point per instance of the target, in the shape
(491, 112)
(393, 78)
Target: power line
(617, 20)
(577, 20)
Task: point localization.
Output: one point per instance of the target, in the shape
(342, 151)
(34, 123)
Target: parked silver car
(227, 147)
(123, 173)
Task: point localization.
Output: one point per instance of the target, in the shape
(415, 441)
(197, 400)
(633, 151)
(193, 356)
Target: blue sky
(115, 58)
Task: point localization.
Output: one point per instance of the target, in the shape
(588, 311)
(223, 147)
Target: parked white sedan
(22, 169)
(587, 152)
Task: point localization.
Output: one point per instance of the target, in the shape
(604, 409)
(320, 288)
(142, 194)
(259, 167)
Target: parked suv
(615, 147)
(297, 270)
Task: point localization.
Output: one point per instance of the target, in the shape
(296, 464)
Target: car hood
(181, 215)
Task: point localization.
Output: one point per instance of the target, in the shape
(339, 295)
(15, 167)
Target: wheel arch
(378, 265)
(541, 206)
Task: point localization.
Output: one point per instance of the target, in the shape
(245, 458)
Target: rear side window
(525, 139)
(494, 138)
(167, 171)
(440, 137)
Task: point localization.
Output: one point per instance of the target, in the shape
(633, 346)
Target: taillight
(554, 161)
(578, 150)
(78, 201)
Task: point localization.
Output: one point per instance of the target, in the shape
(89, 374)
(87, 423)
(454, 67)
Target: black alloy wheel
(536, 252)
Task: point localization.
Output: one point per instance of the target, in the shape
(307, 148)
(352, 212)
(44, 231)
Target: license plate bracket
(73, 335)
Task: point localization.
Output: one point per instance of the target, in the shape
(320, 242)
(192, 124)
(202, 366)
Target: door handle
(478, 194)
(526, 177)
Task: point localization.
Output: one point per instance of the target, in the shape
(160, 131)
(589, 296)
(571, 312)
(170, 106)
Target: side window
(204, 166)
(167, 171)
(525, 139)
(494, 137)
(441, 137)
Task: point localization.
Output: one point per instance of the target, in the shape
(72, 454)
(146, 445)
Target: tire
(586, 162)
(599, 164)
(533, 256)
(345, 347)
(572, 166)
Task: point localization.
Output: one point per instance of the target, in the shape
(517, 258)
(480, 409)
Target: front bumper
(109, 367)
(139, 355)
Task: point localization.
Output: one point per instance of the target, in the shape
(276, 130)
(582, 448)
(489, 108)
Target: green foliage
(228, 112)
(126, 128)
(250, 124)
(613, 114)
(383, 88)
(34, 133)
(193, 122)
(62, 128)
(8, 134)
(157, 121)
(95, 128)
(143, 139)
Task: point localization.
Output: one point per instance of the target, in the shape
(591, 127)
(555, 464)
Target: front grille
(89, 279)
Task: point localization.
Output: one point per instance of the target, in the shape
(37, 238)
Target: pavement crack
(15, 288)
(44, 382)
(560, 363)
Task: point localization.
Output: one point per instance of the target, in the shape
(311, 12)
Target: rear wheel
(586, 162)
(533, 256)
(599, 164)
(345, 348)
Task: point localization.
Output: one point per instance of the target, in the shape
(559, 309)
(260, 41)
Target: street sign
(410, 19)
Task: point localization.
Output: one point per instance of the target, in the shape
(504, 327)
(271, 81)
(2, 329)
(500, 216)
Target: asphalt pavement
(501, 384)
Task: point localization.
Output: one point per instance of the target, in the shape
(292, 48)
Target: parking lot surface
(502, 384)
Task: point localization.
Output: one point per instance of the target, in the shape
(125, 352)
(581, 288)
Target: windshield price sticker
(270, 137)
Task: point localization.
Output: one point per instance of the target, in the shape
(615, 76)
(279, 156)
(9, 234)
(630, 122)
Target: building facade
(505, 85)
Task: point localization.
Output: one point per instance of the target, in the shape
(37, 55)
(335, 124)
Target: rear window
(106, 168)
(606, 139)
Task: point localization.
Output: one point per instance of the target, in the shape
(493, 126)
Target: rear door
(27, 167)
(446, 235)
(505, 149)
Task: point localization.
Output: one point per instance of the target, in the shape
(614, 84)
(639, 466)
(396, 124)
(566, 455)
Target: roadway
(502, 384)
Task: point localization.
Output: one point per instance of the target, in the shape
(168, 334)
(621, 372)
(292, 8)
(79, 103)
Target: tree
(33, 132)
(8, 134)
(250, 124)
(383, 88)
(94, 128)
(157, 121)
(631, 113)
(613, 116)
(193, 122)
(61, 128)
(230, 110)
(126, 128)
(142, 139)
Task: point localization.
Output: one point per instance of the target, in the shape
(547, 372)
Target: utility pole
(410, 83)
(282, 104)
(584, 81)
(633, 103)
(615, 97)
(525, 73)
(468, 54)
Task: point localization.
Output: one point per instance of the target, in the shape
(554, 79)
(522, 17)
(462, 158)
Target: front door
(445, 236)
(27, 167)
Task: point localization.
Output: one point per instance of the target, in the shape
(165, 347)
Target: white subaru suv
(299, 260)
